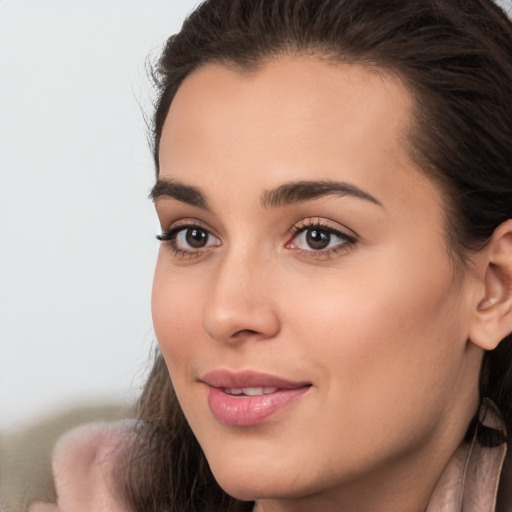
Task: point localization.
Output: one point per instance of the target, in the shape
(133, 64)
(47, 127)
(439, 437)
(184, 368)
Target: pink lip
(244, 410)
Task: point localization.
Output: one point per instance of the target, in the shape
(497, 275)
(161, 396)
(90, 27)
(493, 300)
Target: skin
(379, 326)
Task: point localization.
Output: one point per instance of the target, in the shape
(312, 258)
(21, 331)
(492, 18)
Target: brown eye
(321, 240)
(188, 240)
(196, 238)
(317, 239)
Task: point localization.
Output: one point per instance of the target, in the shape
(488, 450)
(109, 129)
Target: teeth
(250, 391)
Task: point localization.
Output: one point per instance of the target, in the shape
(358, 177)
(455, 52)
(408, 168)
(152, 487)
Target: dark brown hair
(455, 57)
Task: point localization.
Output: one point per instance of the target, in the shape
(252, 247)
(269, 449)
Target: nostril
(245, 332)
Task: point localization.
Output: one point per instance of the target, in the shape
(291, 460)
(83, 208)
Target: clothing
(478, 478)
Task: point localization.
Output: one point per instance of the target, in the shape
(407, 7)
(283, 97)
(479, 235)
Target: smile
(248, 398)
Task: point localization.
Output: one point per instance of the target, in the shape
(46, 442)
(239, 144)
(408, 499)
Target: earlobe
(492, 319)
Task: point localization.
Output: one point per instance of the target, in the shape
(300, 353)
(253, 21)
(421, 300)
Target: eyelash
(169, 238)
(347, 241)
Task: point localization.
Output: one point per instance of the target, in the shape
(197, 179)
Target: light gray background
(77, 244)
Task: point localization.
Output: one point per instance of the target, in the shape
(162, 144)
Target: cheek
(176, 309)
(384, 333)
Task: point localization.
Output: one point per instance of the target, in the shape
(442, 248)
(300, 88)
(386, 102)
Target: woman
(333, 293)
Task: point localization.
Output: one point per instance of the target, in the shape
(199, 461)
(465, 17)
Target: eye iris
(196, 238)
(317, 239)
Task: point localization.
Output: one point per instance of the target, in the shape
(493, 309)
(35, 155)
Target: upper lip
(249, 379)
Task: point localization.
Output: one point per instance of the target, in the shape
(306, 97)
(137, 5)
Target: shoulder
(84, 467)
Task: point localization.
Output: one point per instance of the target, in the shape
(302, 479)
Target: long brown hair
(455, 56)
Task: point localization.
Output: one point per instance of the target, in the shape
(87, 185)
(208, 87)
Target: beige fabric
(84, 469)
(471, 479)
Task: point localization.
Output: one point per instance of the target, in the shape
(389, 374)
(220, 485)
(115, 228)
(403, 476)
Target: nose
(240, 304)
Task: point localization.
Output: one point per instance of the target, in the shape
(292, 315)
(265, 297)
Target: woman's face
(304, 299)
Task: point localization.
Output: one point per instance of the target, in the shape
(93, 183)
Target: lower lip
(245, 411)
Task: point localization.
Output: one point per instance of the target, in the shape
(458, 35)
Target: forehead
(293, 118)
(287, 101)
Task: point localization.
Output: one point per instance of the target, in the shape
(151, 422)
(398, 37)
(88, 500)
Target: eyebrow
(300, 191)
(286, 194)
(179, 191)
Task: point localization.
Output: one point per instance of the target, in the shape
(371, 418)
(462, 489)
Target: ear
(492, 320)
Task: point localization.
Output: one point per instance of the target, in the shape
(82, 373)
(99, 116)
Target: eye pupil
(196, 238)
(317, 239)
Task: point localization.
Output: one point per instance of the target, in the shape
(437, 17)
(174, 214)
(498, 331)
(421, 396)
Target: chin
(245, 490)
(248, 482)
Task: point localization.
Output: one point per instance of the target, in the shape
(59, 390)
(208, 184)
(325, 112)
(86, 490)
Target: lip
(249, 379)
(244, 410)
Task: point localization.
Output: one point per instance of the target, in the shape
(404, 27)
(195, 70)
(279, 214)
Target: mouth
(249, 398)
